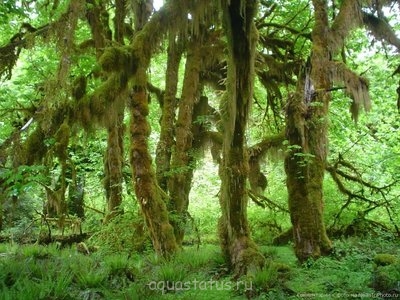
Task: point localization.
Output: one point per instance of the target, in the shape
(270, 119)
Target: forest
(199, 149)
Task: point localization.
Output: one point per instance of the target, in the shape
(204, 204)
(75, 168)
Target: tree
(306, 131)
(237, 246)
(100, 75)
(307, 121)
(181, 161)
(114, 156)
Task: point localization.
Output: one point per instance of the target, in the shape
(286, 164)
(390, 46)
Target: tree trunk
(113, 166)
(306, 131)
(148, 193)
(182, 161)
(166, 141)
(237, 245)
(76, 192)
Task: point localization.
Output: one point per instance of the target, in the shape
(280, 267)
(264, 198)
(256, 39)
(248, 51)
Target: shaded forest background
(238, 123)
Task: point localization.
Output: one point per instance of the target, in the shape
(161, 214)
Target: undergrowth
(358, 268)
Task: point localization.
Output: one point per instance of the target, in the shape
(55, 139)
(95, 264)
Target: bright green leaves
(22, 179)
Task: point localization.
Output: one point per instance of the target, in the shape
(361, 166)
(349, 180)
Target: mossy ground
(46, 272)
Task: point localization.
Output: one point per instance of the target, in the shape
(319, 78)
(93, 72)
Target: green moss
(113, 58)
(246, 258)
(62, 140)
(82, 112)
(384, 259)
(118, 59)
(35, 147)
(386, 278)
(281, 267)
(79, 87)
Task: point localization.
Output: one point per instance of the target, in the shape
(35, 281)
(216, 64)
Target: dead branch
(95, 210)
(264, 202)
(339, 175)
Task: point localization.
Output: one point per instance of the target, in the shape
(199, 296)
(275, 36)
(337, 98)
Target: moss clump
(386, 275)
(118, 58)
(281, 267)
(82, 112)
(62, 140)
(384, 259)
(79, 87)
(253, 258)
(386, 278)
(35, 147)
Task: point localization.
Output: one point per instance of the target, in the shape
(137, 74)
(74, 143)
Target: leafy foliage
(81, 77)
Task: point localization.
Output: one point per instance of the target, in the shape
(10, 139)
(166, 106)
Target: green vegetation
(207, 150)
(47, 272)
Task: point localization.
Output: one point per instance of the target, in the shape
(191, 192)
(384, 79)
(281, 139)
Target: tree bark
(148, 193)
(167, 132)
(76, 192)
(113, 167)
(237, 245)
(179, 183)
(306, 131)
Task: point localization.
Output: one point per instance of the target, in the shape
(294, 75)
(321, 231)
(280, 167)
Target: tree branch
(264, 202)
(380, 29)
(348, 18)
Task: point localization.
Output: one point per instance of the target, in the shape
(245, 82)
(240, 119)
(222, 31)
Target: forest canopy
(238, 122)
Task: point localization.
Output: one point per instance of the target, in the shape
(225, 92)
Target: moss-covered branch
(381, 29)
(261, 148)
(9, 53)
(264, 202)
(348, 18)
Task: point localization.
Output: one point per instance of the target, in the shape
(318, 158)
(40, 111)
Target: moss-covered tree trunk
(113, 158)
(113, 164)
(76, 192)
(148, 193)
(167, 124)
(307, 135)
(179, 183)
(150, 196)
(237, 245)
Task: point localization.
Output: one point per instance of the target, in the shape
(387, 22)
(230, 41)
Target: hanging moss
(82, 112)
(102, 105)
(357, 87)
(349, 17)
(79, 87)
(62, 140)
(64, 30)
(115, 59)
(380, 28)
(34, 146)
(98, 20)
(258, 181)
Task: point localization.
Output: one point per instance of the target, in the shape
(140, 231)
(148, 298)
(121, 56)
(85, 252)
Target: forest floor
(364, 268)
